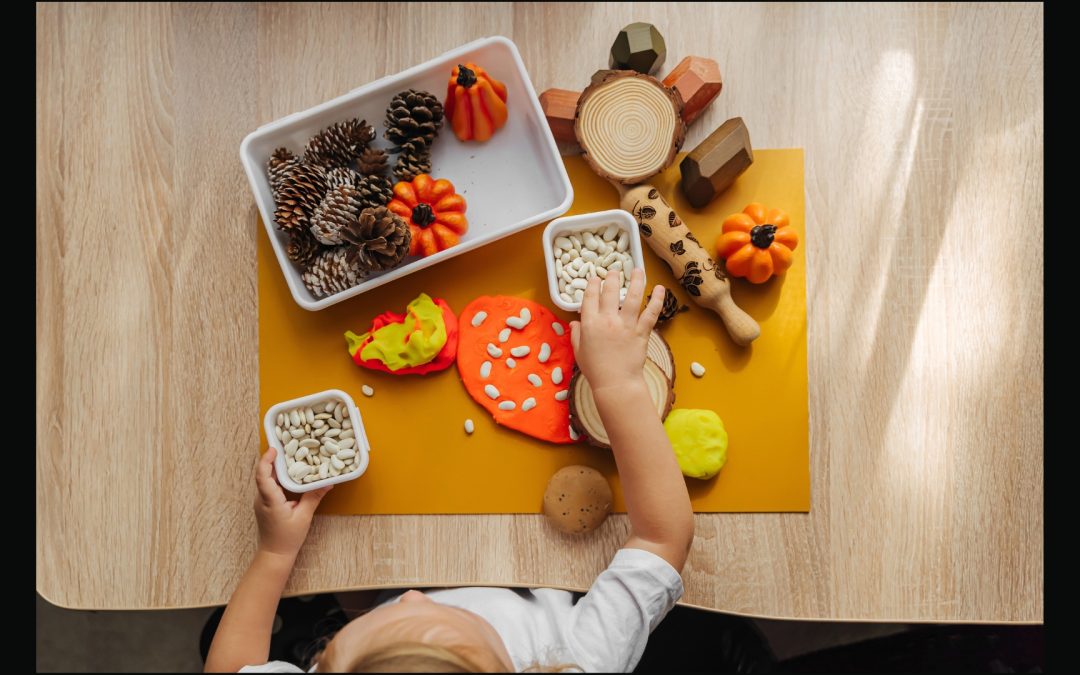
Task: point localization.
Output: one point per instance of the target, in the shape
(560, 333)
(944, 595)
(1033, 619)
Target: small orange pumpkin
(475, 103)
(757, 243)
(434, 212)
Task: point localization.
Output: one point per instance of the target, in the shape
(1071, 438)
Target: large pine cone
(341, 175)
(303, 247)
(339, 144)
(374, 191)
(372, 162)
(340, 208)
(381, 238)
(280, 164)
(333, 271)
(300, 193)
(415, 159)
(413, 114)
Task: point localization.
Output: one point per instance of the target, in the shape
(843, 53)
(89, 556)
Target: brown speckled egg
(577, 499)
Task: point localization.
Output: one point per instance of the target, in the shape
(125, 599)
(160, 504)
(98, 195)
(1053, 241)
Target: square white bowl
(586, 221)
(363, 447)
(511, 182)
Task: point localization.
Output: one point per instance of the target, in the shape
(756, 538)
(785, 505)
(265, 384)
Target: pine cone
(414, 159)
(380, 236)
(303, 247)
(341, 175)
(374, 191)
(300, 193)
(333, 271)
(279, 165)
(372, 162)
(413, 114)
(670, 309)
(339, 143)
(339, 208)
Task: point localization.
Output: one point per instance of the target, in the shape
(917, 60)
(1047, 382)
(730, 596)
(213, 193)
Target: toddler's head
(416, 635)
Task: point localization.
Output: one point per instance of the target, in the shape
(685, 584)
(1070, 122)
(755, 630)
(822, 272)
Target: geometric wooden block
(697, 79)
(559, 106)
(716, 162)
(639, 47)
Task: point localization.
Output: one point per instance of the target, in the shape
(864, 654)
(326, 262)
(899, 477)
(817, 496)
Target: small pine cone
(670, 309)
(339, 144)
(381, 238)
(339, 208)
(303, 247)
(413, 160)
(279, 165)
(372, 162)
(341, 175)
(333, 271)
(300, 193)
(413, 114)
(374, 191)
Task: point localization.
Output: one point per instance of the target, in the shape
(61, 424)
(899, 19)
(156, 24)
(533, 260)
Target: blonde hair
(401, 657)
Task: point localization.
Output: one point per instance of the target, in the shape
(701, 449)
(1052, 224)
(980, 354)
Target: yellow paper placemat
(423, 462)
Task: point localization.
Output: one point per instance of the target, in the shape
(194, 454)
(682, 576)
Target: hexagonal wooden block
(559, 106)
(697, 79)
(639, 47)
(716, 162)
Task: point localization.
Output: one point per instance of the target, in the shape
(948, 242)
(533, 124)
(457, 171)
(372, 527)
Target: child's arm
(609, 346)
(243, 636)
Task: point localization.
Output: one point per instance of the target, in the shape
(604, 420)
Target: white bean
(535, 380)
(556, 375)
(565, 258)
(346, 453)
(589, 256)
(491, 391)
(601, 272)
(545, 352)
(495, 352)
(280, 421)
(697, 369)
(516, 322)
(478, 318)
(302, 453)
(504, 335)
(521, 351)
(507, 405)
(324, 470)
(566, 298)
(562, 394)
(573, 434)
(624, 241)
(510, 363)
(368, 391)
(337, 463)
(485, 369)
(346, 443)
(562, 242)
(580, 284)
(294, 417)
(528, 404)
(557, 327)
(469, 426)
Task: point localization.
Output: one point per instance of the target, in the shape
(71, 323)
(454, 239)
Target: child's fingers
(309, 501)
(575, 335)
(609, 297)
(590, 304)
(269, 490)
(634, 295)
(652, 311)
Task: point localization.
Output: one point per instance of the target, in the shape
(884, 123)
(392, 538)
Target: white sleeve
(272, 667)
(609, 627)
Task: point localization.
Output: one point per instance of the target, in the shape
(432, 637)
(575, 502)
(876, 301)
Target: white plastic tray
(511, 182)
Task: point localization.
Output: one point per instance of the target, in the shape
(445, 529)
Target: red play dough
(550, 419)
(442, 360)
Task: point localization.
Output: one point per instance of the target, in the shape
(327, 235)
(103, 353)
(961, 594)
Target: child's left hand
(283, 524)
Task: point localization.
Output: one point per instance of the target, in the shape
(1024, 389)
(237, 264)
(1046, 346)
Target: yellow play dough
(699, 440)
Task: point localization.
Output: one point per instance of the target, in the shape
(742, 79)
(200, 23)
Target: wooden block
(697, 79)
(559, 106)
(639, 47)
(716, 162)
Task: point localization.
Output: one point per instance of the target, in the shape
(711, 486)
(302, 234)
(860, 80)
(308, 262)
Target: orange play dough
(550, 419)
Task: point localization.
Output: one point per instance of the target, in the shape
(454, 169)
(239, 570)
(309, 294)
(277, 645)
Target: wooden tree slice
(629, 125)
(659, 352)
(585, 418)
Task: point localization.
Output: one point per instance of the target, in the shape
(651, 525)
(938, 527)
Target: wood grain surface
(923, 132)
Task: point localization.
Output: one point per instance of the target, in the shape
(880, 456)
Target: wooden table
(923, 134)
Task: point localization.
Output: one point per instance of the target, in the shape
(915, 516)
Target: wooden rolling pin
(706, 281)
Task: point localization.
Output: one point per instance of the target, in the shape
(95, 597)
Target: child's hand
(283, 524)
(610, 343)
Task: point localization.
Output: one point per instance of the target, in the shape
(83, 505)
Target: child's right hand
(610, 343)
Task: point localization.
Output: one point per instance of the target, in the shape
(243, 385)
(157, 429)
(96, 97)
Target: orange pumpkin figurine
(757, 243)
(434, 212)
(475, 103)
